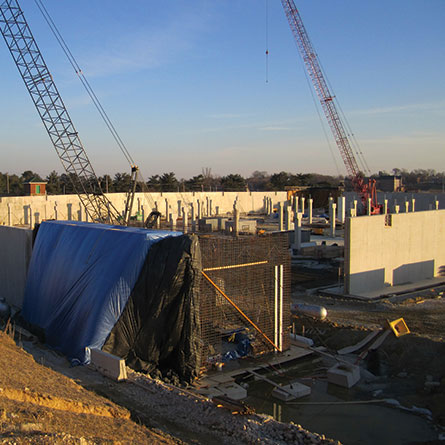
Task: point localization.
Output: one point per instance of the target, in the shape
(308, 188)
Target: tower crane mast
(313, 67)
(54, 115)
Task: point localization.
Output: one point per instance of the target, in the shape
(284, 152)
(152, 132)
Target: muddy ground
(411, 367)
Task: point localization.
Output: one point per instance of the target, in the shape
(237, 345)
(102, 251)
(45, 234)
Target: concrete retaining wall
(26, 210)
(395, 249)
(15, 254)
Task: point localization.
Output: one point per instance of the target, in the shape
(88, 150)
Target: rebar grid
(245, 269)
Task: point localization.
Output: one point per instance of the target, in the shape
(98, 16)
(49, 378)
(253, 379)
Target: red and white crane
(365, 190)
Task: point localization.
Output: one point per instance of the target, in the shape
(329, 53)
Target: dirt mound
(38, 405)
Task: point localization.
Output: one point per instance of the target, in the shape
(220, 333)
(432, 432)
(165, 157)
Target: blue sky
(184, 82)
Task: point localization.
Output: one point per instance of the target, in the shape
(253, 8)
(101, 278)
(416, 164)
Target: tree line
(13, 184)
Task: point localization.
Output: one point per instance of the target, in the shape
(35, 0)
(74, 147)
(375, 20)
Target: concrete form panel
(383, 251)
(15, 254)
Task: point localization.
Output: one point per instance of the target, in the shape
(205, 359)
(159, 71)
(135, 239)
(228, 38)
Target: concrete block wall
(382, 251)
(26, 210)
(15, 254)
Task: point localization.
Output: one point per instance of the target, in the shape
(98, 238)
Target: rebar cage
(244, 296)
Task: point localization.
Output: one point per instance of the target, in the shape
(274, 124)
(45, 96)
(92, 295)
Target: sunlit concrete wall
(423, 201)
(395, 249)
(26, 210)
(15, 254)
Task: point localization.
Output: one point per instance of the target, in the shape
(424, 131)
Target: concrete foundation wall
(423, 200)
(26, 210)
(377, 254)
(15, 254)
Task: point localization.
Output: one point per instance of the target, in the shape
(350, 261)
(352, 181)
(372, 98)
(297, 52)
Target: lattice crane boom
(53, 113)
(327, 102)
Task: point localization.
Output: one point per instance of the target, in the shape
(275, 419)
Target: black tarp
(159, 329)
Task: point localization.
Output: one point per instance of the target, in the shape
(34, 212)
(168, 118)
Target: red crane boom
(310, 58)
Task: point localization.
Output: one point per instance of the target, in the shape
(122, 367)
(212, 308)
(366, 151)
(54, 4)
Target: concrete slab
(293, 353)
(233, 390)
(389, 291)
(291, 392)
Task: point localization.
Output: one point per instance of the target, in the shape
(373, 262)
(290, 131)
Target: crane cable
(316, 105)
(84, 81)
(267, 40)
(352, 139)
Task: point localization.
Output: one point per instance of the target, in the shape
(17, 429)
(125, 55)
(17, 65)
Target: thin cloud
(228, 116)
(275, 128)
(144, 48)
(403, 108)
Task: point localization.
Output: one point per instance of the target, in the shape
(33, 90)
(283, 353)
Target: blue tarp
(80, 278)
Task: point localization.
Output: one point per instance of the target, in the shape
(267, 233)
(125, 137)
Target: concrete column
(354, 203)
(9, 215)
(198, 203)
(385, 207)
(270, 206)
(352, 212)
(142, 212)
(295, 203)
(70, 211)
(396, 208)
(437, 204)
(171, 221)
(139, 205)
(332, 219)
(297, 231)
(413, 205)
(368, 207)
(235, 220)
(79, 212)
(185, 218)
(210, 207)
(309, 208)
(280, 217)
(179, 208)
(193, 216)
(37, 218)
(406, 206)
(302, 205)
(341, 209)
(25, 216)
(288, 217)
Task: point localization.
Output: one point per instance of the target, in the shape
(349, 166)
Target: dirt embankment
(38, 405)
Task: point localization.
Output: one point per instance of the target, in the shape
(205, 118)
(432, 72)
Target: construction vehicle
(365, 189)
(54, 115)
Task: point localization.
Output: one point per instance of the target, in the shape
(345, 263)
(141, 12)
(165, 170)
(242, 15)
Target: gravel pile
(187, 409)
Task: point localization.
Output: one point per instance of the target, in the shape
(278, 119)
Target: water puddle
(333, 411)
